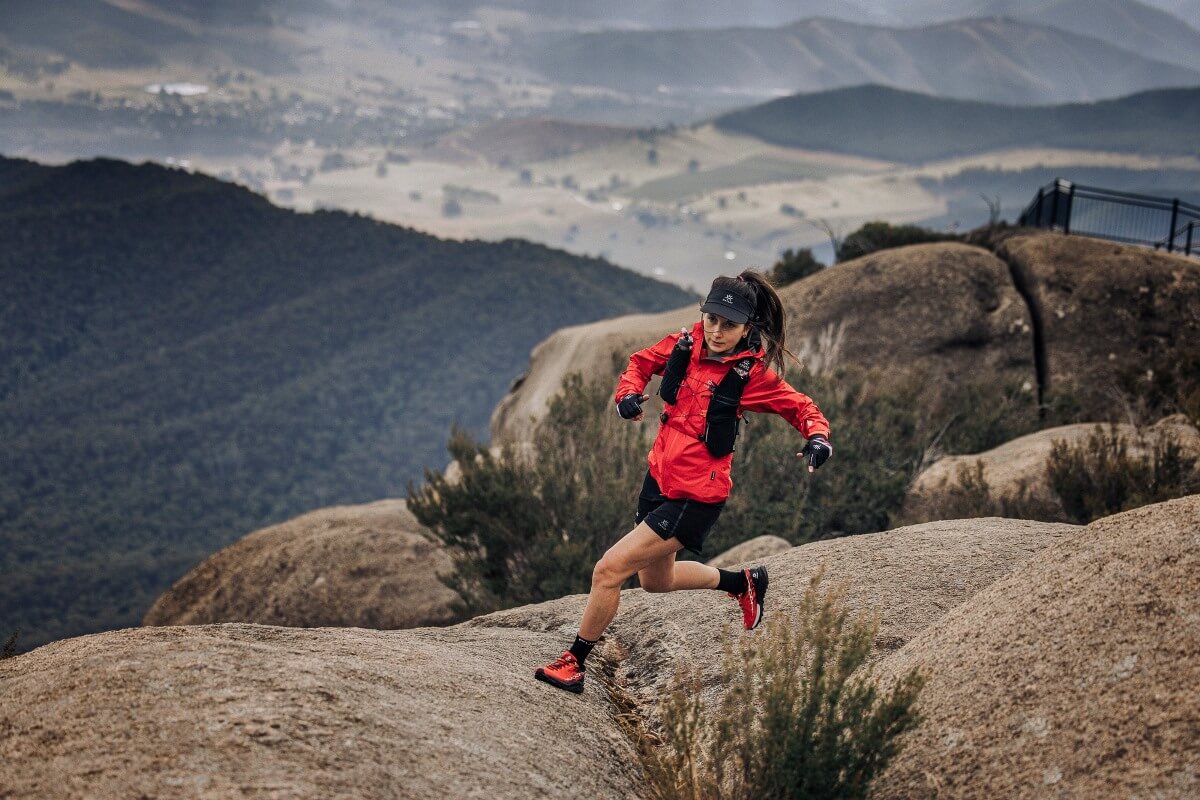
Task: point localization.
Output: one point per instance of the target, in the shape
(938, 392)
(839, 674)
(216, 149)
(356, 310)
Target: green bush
(875, 236)
(792, 266)
(795, 718)
(970, 497)
(1099, 477)
(527, 525)
(1083, 482)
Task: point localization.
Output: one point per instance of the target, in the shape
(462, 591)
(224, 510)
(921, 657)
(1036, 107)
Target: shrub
(1084, 482)
(875, 236)
(970, 497)
(795, 718)
(1099, 477)
(792, 266)
(1166, 381)
(529, 525)
(10, 646)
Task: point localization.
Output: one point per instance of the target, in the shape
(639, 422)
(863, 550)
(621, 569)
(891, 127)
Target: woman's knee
(608, 573)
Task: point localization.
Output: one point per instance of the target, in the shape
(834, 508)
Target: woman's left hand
(817, 451)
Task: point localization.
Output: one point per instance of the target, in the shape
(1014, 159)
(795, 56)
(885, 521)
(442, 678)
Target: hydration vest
(722, 426)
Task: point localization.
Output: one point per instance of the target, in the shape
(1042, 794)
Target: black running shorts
(689, 521)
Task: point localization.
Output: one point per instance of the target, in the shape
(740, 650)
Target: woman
(705, 389)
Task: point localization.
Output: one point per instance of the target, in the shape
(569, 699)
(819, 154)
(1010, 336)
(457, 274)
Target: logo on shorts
(662, 523)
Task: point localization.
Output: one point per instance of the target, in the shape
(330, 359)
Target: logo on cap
(728, 299)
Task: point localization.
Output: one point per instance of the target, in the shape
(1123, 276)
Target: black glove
(817, 451)
(630, 406)
(676, 367)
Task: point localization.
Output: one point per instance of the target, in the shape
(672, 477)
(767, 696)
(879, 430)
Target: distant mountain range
(887, 123)
(95, 33)
(182, 362)
(1121, 22)
(1126, 24)
(997, 60)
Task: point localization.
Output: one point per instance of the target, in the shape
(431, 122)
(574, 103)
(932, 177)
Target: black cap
(728, 304)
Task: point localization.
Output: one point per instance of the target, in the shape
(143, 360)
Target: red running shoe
(751, 600)
(564, 672)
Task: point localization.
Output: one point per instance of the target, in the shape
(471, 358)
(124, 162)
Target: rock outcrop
(1074, 676)
(239, 710)
(911, 576)
(1109, 313)
(369, 566)
(587, 349)
(1020, 465)
(947, 309)
(751, 550)
(1076, 315)
(247, 709)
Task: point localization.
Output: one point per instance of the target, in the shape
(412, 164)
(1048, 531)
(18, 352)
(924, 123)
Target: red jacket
(679, 461)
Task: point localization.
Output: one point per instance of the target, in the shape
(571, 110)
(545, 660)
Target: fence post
(1191, 226)
(1070, 204)
(1038, 206)
(1174, 220)
(1054, 205)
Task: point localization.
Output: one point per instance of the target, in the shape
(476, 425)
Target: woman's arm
(643, 365)
(766, 391)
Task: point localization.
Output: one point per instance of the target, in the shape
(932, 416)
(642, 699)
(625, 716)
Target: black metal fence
(1161, 223)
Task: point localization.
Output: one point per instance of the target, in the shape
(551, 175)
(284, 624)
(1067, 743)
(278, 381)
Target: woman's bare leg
(669, 575)
(635, 551)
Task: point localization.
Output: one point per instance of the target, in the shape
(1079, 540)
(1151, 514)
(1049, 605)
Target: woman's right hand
(685, 340)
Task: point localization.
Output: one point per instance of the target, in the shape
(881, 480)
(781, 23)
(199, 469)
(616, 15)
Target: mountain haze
(120, 35)
(1126, 24)
(998, 60)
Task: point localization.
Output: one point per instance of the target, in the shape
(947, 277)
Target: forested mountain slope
(182, 362)
(888, 123)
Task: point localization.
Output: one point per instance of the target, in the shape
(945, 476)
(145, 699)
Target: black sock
(581, 649)
(732, 582)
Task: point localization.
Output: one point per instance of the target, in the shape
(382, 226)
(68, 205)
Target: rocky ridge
(370, 566)
(1073, 676)
(1083, 639)
(323, 712)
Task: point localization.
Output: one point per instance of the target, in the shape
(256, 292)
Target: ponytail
(768, 319)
